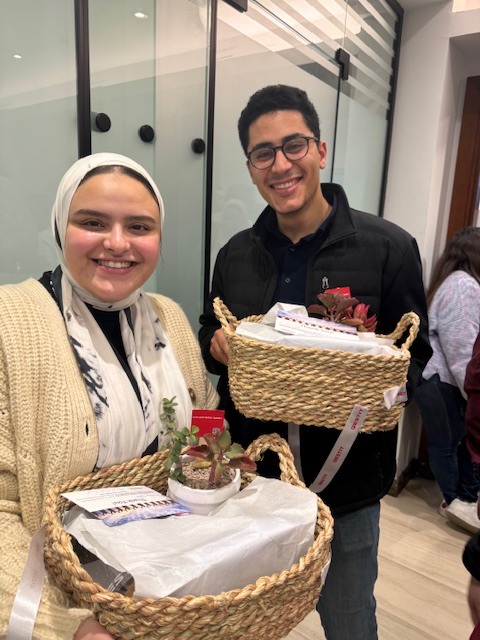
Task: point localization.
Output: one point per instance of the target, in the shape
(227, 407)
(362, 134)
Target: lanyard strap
(337, 455)
(29, 592)
(294, 444)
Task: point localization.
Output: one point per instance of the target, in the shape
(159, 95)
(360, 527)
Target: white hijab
(126, 427)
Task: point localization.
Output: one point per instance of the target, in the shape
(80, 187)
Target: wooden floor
(421, 589)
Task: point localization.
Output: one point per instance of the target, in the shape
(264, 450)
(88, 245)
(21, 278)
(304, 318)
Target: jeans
(442, 407)
(347, 604)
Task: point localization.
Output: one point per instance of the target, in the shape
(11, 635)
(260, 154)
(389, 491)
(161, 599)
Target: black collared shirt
(291, 259)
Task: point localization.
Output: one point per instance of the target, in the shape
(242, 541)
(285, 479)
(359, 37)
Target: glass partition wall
(365, 103)
(38, 135)
(122, 81)
(161, 83)
(148, 73)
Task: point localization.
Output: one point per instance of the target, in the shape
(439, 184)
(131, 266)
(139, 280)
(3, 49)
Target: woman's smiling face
(112, 240)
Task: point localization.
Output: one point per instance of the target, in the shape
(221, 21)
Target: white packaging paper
(264, 331)
(263, 529)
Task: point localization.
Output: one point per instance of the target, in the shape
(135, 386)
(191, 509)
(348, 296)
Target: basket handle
(224, 316)
(274, 442)
(408, 320)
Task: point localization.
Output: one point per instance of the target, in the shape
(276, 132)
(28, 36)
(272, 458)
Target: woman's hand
(91, 629)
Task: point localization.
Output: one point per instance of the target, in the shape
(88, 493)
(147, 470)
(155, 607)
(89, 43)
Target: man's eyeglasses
(293, 149)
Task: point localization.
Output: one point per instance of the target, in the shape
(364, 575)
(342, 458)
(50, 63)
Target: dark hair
(462, 253)
(117, 168)
(277, 97)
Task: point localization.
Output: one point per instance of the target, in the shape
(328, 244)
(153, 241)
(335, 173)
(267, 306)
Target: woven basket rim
(211, 602)
(268, 346)
(408, 322)
(258, 370)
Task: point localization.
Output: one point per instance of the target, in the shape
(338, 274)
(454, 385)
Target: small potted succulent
(201, 475)
(340, 307)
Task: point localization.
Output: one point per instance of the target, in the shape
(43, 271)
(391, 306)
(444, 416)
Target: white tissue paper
(263, 529)
(360, 343)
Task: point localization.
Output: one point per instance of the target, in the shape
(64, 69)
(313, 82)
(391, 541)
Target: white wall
(438, 52)
(465, 5)
(434, 64)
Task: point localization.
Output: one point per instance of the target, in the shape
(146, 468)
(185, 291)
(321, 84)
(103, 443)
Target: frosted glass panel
(360, 154)
(122, 75)
(152, 71)
(122, 80)
(254, 50)
(181, 92)
(38, 138)
(364, 102)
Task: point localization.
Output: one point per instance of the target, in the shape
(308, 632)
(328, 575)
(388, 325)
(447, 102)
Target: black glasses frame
(282, 147)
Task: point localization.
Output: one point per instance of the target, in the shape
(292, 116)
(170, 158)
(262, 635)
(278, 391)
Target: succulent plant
(339, 307)
(358, 317)
(219, 453)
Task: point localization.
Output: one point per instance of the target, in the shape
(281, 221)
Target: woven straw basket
(268, 609)
(314, 386)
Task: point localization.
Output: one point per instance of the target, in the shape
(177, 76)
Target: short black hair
(277, 97)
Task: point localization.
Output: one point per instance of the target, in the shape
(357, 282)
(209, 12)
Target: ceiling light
(17, 56)
(141, 15)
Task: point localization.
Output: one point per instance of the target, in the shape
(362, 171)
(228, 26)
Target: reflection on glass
(152, 70)
(182, 37)
(364, 105)
(122, 75)
(122, 79)
(37, 129)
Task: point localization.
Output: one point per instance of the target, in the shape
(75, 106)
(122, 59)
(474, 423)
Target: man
(308, 240)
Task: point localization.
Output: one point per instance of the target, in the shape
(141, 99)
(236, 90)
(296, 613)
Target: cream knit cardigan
(48, 433)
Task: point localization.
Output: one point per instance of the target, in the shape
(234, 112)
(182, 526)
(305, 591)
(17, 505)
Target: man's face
(289, 186)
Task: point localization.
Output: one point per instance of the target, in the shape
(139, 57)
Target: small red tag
(345, 290)
(208, 421)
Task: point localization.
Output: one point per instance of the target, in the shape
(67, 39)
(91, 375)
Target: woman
(454, 319)
(86, 359)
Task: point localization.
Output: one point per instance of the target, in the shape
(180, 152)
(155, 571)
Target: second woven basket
(268, 609)
(314, 386)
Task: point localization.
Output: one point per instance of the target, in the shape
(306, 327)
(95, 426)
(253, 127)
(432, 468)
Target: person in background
(307, 240)
(86, 360)
(454, 320)
(471, 553)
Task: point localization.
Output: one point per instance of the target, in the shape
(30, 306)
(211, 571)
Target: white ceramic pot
(202, 501)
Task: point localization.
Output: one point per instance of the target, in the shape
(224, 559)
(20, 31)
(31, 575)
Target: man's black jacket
(380, 263)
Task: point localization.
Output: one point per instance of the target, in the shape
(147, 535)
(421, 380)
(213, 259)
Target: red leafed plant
(338, 307)
(218, 453)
